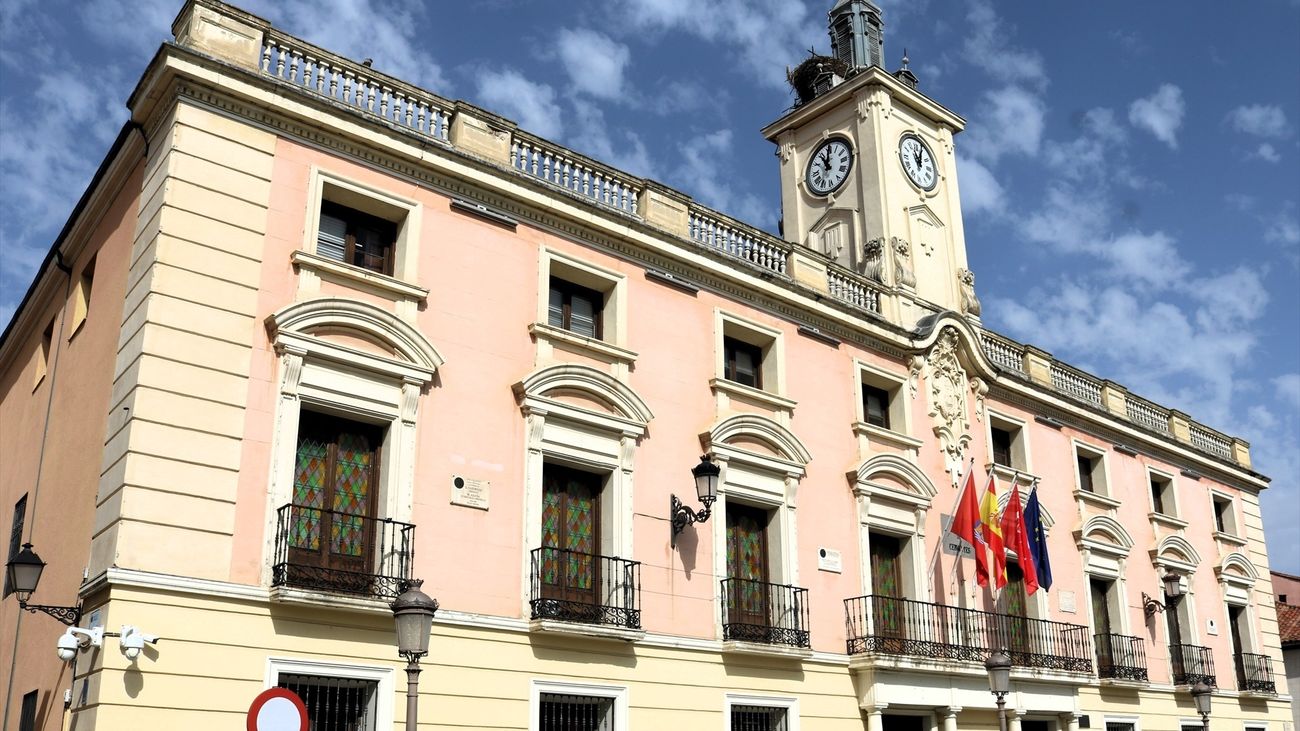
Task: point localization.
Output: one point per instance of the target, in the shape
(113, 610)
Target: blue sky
(1130, 172)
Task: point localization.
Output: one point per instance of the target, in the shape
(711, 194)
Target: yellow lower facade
(222, 644)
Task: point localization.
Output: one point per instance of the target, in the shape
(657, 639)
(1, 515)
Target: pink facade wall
(483, 280)
(70, 470)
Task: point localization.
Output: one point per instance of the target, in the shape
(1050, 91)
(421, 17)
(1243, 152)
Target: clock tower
(868, 174)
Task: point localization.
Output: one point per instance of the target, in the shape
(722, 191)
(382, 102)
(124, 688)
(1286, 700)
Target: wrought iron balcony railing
(891, 626)
(757, 611)
(327, 550)
(569, 586)
(1121, 657)
(1254, 673)
(1192, 663)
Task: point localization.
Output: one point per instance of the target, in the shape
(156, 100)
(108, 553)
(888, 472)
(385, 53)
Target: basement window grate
(563, 712)
(758, 718)
(335, 704)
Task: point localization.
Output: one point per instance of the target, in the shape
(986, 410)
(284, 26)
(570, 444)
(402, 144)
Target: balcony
(763, 613)
(341, 553)
(890, 626)
(1121, 657)
(1254, 673)
(1192, 663)
(581, 588)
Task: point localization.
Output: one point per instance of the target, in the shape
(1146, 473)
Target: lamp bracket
(1150, 605)
(67, 615)
(683, 516)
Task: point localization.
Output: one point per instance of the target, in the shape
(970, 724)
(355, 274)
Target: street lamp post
(1201, 694)
(999, 669)
(413, 613)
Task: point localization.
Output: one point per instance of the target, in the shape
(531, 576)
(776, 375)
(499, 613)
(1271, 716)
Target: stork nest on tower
(803, 78)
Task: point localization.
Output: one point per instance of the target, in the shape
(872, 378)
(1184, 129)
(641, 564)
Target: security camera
(76, 639)
(132, 641)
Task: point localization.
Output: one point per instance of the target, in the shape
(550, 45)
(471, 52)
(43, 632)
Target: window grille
(27, 717)
(758, 718)
(335, 704)
(563, 712)
(1120, 726)
(15, 538)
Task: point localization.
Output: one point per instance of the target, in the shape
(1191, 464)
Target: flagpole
(938, 548)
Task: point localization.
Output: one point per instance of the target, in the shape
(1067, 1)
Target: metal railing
(757, 611)
(327, 550)
(1192, 663)
(742, 241)
(892, 626)
(1121, 657)
(569, 586)
(1254, 673)
(355, 85)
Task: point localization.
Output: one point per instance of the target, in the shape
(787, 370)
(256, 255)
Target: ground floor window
(894, 722)
(335, 704)
(566, 712)
(758, 718)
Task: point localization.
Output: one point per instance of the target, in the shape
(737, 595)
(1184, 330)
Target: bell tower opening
(857, 34)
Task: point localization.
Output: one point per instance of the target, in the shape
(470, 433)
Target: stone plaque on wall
(470, 493)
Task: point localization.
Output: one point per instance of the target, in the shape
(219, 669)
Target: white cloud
(986, 46)
(1282, 227)
(1161, 114)
(1287, 387)
(980, 191)
(140, 25)
(529, 103)
(768, 35)
(591, 137)
(1260, 120)
(1010, 121)
(1266, 152)
(703, 174)
(594, 62)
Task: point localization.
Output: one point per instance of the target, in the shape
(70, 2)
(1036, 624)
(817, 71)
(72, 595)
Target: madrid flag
(1017, 538)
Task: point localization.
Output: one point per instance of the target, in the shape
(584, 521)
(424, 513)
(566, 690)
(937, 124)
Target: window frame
(81, 296)
(771, 343)
(385, 676)
(44, 349)
(732, 348)
(1168, 494)
(610, 345)
(568, 290)
(617, 693)
(789, 703)
(353, 220)
(1019, 445)
(1230, 528)
(17, 526)
(899, 432)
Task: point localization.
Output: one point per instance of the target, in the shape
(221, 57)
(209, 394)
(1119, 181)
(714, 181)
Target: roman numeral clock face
(918, 162)
(829, 167)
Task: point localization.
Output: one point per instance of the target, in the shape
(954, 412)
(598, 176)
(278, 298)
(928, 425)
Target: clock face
(918, 162)
(829, 167)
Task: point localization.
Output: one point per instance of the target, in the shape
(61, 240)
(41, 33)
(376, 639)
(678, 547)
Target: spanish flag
(989, 534)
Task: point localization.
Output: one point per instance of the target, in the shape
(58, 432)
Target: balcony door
(747, 560)
(1015, 608)
(570, 563)
(887, 585)
(331, 527)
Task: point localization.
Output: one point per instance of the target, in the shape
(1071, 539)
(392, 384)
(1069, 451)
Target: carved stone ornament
(873, 260)
(947, 386)
(970, 304)
(980, 389)
(785, 151)
(903, 263)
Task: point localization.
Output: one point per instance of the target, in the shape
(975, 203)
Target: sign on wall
(951, 543)
(470, 493)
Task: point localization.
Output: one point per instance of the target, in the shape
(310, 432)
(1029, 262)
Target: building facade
(313, 332)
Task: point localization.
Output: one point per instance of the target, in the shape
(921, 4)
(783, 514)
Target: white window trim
(325, 374)
(1173, 511)
(1232, 531)
(618, 693)
(773, 394)
(610, 448)
(1100, 496)
(402, 284)
(300, 666)
(611, 347)
(1107, 560)
(790, 704)
(1021, 438)
(1107, 718)
(899, 434)
(884, 509)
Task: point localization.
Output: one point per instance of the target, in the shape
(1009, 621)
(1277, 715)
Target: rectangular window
(356, 238)
(748, 567)
(743, 362)
(331, 533)
(43, 354)
(887, 607)
(15, 537)
(571, 526)
(81, 297)
(566, 712)
(1100, 590)
(1001, 439)
(575, 308)
(1224, 520)
(1120, 726)
(1162, 499)
(1085, 466)
(27, 716)
(759, 718)
(335, 704)
(875, 406)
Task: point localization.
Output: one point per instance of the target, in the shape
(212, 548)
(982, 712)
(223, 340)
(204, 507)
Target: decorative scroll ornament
(873, 260)
(902, 262)
(947, 386)
(980, 389)
(970, 304)
(785, 151)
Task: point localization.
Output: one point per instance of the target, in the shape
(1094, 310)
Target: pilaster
(807, 270)
(220, 30)
(1114, 398)
(1180, 426)
(1038, 366)
(1241, 452)
(481, 132)
(665, 208)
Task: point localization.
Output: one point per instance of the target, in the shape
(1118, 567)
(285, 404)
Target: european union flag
(1038, 539)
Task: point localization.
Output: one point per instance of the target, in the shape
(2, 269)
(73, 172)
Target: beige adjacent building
(313, 332)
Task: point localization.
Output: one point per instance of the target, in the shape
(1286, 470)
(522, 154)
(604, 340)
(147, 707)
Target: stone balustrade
(575, 173)
(1076, 383)
(856, 290)
(716, 231)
